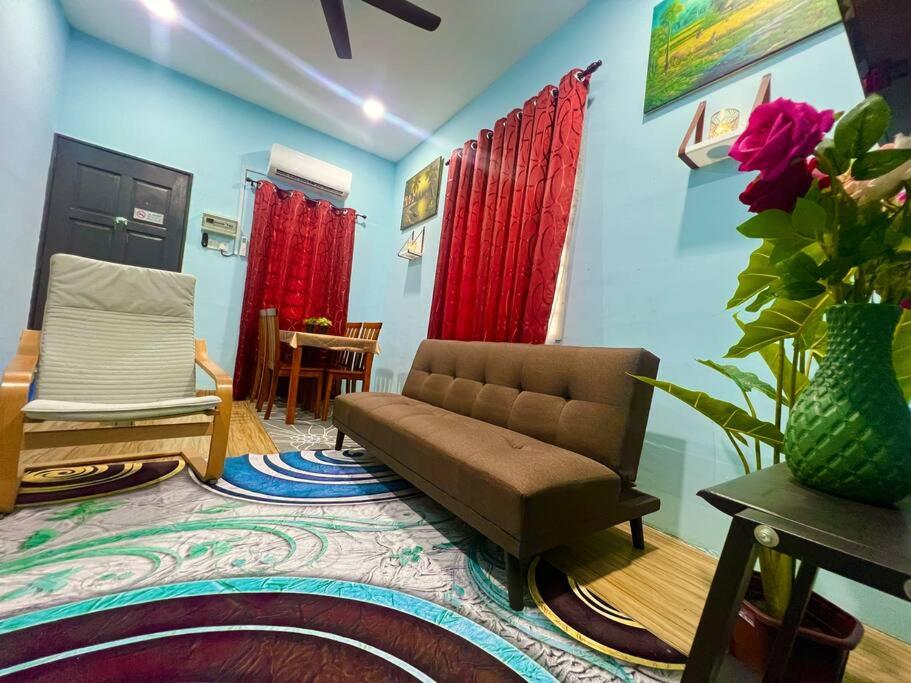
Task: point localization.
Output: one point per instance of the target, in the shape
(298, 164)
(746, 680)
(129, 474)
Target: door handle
(120, 221)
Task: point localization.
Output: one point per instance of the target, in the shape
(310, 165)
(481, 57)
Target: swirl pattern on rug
(590, 619)
(323, 477)
(241, 628)
(43, 485)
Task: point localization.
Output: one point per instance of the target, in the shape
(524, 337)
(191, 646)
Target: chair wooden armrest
(21, 369)
(17, 378)
(210, 367)
(223, 389)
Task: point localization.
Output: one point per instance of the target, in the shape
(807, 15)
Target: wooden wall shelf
(696, 152)
(413, 249)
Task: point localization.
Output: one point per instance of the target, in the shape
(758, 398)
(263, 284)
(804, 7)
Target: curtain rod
(587, 71)
(256, 183)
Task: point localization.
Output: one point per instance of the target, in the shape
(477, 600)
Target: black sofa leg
(339, 439)
(635, 526)
(515, 582)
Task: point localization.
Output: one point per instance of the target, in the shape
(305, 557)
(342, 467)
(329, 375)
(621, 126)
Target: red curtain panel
(299, 263)
(508, 200)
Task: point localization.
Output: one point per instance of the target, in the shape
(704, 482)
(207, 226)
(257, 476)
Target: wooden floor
(663, 587)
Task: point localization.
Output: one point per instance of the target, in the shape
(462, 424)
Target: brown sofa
(533, 446)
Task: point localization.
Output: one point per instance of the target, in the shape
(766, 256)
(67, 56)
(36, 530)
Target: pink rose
(906, 304)
(778, 133)
(780, 193)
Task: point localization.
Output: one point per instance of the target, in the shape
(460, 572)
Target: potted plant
(831, 283)
(317, 325)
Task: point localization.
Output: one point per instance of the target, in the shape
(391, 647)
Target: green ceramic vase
(849, 432)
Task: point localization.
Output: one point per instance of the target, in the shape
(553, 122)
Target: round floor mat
(277, 628)
(581, 614)
(43, 485)
(323, 477)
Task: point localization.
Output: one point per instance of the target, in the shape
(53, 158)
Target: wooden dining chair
(275, 367)
(256, 390)
(345, 359)
(359, 370)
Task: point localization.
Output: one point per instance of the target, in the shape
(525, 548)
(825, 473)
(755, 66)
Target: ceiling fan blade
(408, 11)
(338, 27)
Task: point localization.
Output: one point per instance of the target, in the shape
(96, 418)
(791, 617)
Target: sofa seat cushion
(524, 486)
(78, 411)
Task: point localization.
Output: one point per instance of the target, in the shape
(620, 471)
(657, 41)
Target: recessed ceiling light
(164, 9)
(374, 109)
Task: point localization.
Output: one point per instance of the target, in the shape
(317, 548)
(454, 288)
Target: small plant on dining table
(317, 324)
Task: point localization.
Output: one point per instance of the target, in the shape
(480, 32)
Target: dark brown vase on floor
(824, 641)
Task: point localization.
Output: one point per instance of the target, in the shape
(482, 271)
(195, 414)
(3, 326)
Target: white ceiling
(278, 54)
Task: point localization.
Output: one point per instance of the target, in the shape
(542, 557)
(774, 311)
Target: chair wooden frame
(17, 379)
(274, 368)
(358, 367)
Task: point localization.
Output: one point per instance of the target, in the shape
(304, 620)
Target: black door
(112, 207)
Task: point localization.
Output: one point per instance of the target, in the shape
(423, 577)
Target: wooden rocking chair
(117, 347)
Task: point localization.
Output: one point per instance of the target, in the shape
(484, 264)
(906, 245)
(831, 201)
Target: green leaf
(830, 161)
(782, 320)
(808, 219)
(799, 275)
(799, 267)
(746, 381)
(800, 291)
(761, 300)
(39, 537)
(879, 162)
(725, 415)
(815, 338)
(770, 353)
(786, 247)
(862, 127)
(901, 353)
(769, 224)
(759, 274)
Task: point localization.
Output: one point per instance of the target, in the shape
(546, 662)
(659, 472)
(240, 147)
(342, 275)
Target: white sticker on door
(148, 216)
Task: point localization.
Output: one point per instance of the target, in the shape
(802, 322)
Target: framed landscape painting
(697, 42)
(422, 194)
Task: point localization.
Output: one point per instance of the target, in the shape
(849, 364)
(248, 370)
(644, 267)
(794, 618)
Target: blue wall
(117, 100)
(33, 37)
(655, 255)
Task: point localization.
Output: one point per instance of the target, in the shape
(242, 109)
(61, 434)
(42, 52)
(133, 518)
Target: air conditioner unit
(294, 167)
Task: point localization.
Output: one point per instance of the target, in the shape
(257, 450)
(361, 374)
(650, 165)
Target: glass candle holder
(724, 122)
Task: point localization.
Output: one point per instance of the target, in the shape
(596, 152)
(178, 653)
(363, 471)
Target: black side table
(868, 544)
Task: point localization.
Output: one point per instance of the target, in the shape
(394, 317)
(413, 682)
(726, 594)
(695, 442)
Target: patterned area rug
(42, 485)
(367, 575)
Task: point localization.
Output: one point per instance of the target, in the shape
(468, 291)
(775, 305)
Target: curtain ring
(555, 92)
(579, 76)
(489, 135)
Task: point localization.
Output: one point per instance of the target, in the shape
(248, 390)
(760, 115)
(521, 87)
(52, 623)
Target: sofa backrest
(578, 398)
(116, 334)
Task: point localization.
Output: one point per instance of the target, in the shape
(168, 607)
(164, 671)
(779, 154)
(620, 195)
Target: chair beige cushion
(75, 411)
(116, 334)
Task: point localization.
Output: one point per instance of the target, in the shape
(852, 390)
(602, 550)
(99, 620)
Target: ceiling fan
(334, 11)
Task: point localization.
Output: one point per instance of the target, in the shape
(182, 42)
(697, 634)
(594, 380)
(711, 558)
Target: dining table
(297, 340)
